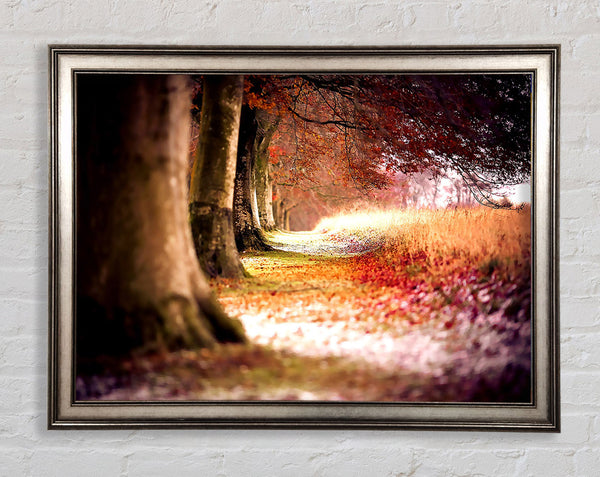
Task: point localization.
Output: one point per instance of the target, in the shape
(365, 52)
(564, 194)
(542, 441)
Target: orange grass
(443, 241)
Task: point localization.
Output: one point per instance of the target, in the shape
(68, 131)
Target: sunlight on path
(317, 325)
(411, 350)
(314, 243)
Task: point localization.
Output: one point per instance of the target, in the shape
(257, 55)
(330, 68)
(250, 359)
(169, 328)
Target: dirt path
(304, 301)
(321, 244)
(315, 309)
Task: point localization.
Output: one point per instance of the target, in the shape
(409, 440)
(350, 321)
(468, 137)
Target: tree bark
(267, 125)
(277, 208)
(139, 284)
(286, 220)
(247, 226)
(213, 175)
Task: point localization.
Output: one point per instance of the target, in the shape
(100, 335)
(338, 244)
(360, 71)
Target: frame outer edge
(52, 312)
(555, 256)
(54, 420)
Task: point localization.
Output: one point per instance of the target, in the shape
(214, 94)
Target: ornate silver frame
(541, 414)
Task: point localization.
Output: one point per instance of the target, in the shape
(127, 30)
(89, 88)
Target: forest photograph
(303, 237)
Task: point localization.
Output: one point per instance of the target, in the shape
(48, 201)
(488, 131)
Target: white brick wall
(28, 26)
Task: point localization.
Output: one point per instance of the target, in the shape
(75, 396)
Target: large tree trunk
(267, 125)
(248, 233)
(213, 174)
(139, 284)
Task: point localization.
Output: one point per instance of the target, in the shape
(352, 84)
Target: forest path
(372, 341)
(320, 243)
(343, 316)
(303, 301)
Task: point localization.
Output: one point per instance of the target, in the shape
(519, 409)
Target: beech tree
(267, 126)
(253, 209)
(139, 284)
(246, 224)
(213, 176)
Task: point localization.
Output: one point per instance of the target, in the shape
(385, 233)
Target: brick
(23, 247)
(577, 241)
(95, 16)
(578, 88)
(431, 16)
(347, 462)
(573, 128)
(19, 56)
(575, 431)
(42, 15)
(232, 16)
(20, 429)
(27, 87)
(585, 271)
(188, 462)
(578, 203)
(474, 17)
(333, 16)
(592, 130)
(551, 18)
(22, 354)
(19, 167)
(585, 51)
(59, 462)
(548, 462)
(591, 239)
(581, 389)
(587, 462)
(7, 15)
(572, 241)
(294, 462)
(23, 283)
(320, 462)
(17, 317)
(15, 462)
(21, 395)
(578, 351)
(23, 205)
(481, 463)
(579, 312)
(596, 431)
(376, 17)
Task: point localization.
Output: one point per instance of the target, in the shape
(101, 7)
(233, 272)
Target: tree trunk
(213, 175)
(267, 125)
(139, 284)
(278, 208)
(248, 234)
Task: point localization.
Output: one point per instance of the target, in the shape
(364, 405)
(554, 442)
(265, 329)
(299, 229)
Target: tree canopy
(342, 132)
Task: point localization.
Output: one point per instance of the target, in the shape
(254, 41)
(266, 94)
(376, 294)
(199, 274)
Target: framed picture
(304, 237)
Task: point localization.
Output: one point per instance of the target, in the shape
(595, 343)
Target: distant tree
(213, 175)
(267, 124)
(246, 221)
